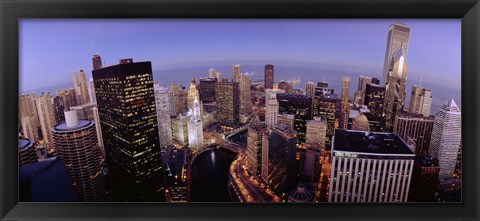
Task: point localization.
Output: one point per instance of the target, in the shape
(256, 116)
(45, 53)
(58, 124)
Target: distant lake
(440, 93)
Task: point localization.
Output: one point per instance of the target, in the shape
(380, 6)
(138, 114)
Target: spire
(421, 75)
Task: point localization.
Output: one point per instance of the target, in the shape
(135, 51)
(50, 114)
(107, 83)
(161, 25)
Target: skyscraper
(269, 76)
(287, 119)
(59, 106)
(81, 89)
(310, 88)
(214, 73)
(192, 94)
(28, 118)
(98, 128)
(377, 168)
(162, 103)
(300, 106)
(91, 91)
(316, 133)
(97, 62)
(395, 90)
(179, 98)
(195, 128)
(206, 89)
(420, 101)
(256, 130)
(374, 98)
(363, 81)
(244, 85)
(398, 37)
(446, 137)
(345, 108)
(130, 132)
(46, 116)
(415, 127)
(236, 73)
(281, 159)
(227, 96)
(328, 109)
(271, 109)
(78, 147)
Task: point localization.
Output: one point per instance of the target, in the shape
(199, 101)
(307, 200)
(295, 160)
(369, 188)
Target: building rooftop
(24, 144)
(370, 142)
(81, 124)
(45, 181)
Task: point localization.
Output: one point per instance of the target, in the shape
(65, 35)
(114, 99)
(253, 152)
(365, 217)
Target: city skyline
(268, 137)
(171, 43)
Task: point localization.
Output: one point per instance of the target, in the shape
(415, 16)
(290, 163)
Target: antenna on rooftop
(421, 75)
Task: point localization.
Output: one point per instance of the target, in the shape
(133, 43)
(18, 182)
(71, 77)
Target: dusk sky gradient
(51, 50)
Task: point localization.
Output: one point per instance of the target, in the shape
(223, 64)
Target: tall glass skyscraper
(398, 37)
(126, 106)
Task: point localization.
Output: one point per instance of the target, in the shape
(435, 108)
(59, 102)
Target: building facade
(269, 76)
(374, 98)
(162, 104)
(130, 131)
(345, 105)
(81, 87)
(446, 137)
(301, 107)
(370, 167)
(78, 147)
(420, 101)
(416, 127)
(256, 130)
(227, 97)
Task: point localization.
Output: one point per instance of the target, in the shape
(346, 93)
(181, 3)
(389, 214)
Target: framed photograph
(239, 110)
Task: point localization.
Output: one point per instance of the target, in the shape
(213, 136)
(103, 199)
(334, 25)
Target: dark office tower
(59, 107)
(375, 81)
(26, 152)
(227, 96)
(424, 179)
(301, 107)
(395, 90)
(374, 97)
(206, 89)
(126, 106)
(281, 156)
(269, 74)
(256, 130)
(97, 62)
(417, 128)
(310, 167)
(77, 144)
(328, 109)
(398, 37)
(322, 88)
(286, 86)
(345, 108)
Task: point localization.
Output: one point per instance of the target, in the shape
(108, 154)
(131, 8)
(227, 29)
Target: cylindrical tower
(77, 144)
(26, 152)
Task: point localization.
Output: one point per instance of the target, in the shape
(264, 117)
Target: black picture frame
(11, 11)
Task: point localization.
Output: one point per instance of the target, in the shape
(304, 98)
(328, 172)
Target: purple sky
(50, 50)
